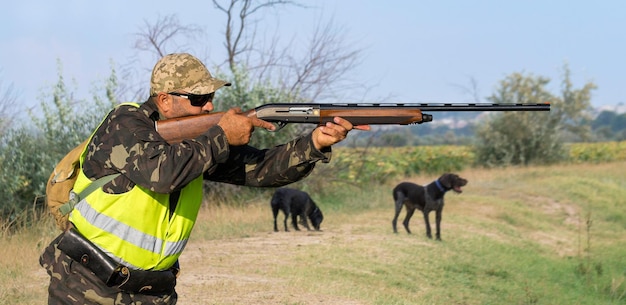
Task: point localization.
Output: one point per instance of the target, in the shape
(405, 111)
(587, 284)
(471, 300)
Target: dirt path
(235, 271)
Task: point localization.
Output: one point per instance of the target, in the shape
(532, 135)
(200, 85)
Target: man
(128, 234)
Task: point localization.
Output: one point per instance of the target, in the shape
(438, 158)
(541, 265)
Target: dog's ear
(446, 180)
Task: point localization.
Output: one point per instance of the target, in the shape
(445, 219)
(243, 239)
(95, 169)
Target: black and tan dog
(297, 204)
(426, 199)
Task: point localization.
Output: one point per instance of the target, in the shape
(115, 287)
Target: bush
(597, 152)
(522, 138)
(29, 152)
(377, 165)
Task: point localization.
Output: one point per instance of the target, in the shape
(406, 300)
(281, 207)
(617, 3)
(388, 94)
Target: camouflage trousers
(73, 283)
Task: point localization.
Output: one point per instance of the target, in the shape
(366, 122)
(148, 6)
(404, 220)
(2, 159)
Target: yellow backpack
(60, 198)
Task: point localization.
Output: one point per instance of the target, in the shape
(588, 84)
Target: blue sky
(412, 51)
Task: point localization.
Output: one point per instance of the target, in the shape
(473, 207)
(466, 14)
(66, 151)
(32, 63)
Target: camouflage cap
(184, 72)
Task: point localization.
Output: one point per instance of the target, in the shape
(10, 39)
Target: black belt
(110, 272)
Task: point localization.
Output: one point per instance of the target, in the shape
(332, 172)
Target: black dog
(297, 203)
(426, 199)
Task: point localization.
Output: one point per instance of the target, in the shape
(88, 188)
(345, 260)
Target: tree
(321, 66)
(522, 138)
(572, 110)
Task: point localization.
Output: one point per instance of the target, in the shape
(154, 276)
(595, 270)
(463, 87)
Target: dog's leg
(427, 222)
(438, 224)
(304, 222)
(398, 202)
(294, 221)
(407, 218)
(275, 212)
(286, 212)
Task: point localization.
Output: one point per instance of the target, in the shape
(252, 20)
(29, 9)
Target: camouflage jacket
(126, 142)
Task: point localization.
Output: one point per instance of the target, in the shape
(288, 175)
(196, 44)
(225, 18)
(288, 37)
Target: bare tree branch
(161, 37)
(472, 90)
(330, 60)
(235, 34)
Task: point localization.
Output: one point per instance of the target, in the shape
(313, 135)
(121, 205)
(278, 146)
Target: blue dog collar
(440, 186)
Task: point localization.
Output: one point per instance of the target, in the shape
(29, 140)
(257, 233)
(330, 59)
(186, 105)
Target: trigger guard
(279, 125)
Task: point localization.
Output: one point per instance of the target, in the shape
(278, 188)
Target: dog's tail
(275, 203)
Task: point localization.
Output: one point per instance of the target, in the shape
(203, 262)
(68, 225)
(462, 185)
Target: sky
(413, 51)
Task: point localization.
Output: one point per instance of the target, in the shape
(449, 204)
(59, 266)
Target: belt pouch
(144, 281)
(87, 254)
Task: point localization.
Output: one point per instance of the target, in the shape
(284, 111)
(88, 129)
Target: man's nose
(208, 107)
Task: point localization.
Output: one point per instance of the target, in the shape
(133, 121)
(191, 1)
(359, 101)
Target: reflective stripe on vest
(135, 228)
(128, 233)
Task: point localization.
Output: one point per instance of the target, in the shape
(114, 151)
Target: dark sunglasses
(195, 99)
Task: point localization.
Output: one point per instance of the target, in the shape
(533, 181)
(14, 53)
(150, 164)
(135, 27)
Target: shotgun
(177, 129)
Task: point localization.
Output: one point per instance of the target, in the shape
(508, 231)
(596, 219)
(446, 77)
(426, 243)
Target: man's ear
(164, 103)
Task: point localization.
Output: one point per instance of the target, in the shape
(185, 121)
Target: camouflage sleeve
(273, 167)
(128, 143)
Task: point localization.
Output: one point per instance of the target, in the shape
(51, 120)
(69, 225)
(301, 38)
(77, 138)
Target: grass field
(537, 235)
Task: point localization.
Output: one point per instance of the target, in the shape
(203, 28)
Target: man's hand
(333, 133)
(238, 127)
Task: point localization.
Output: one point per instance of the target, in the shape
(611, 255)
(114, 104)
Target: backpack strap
(67, 207)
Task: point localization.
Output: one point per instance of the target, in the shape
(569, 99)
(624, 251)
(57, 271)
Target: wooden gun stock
(178, 129)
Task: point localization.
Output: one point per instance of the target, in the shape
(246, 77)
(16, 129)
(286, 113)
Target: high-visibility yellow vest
(135, 228)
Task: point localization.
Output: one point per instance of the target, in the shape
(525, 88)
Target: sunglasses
(195, 99)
